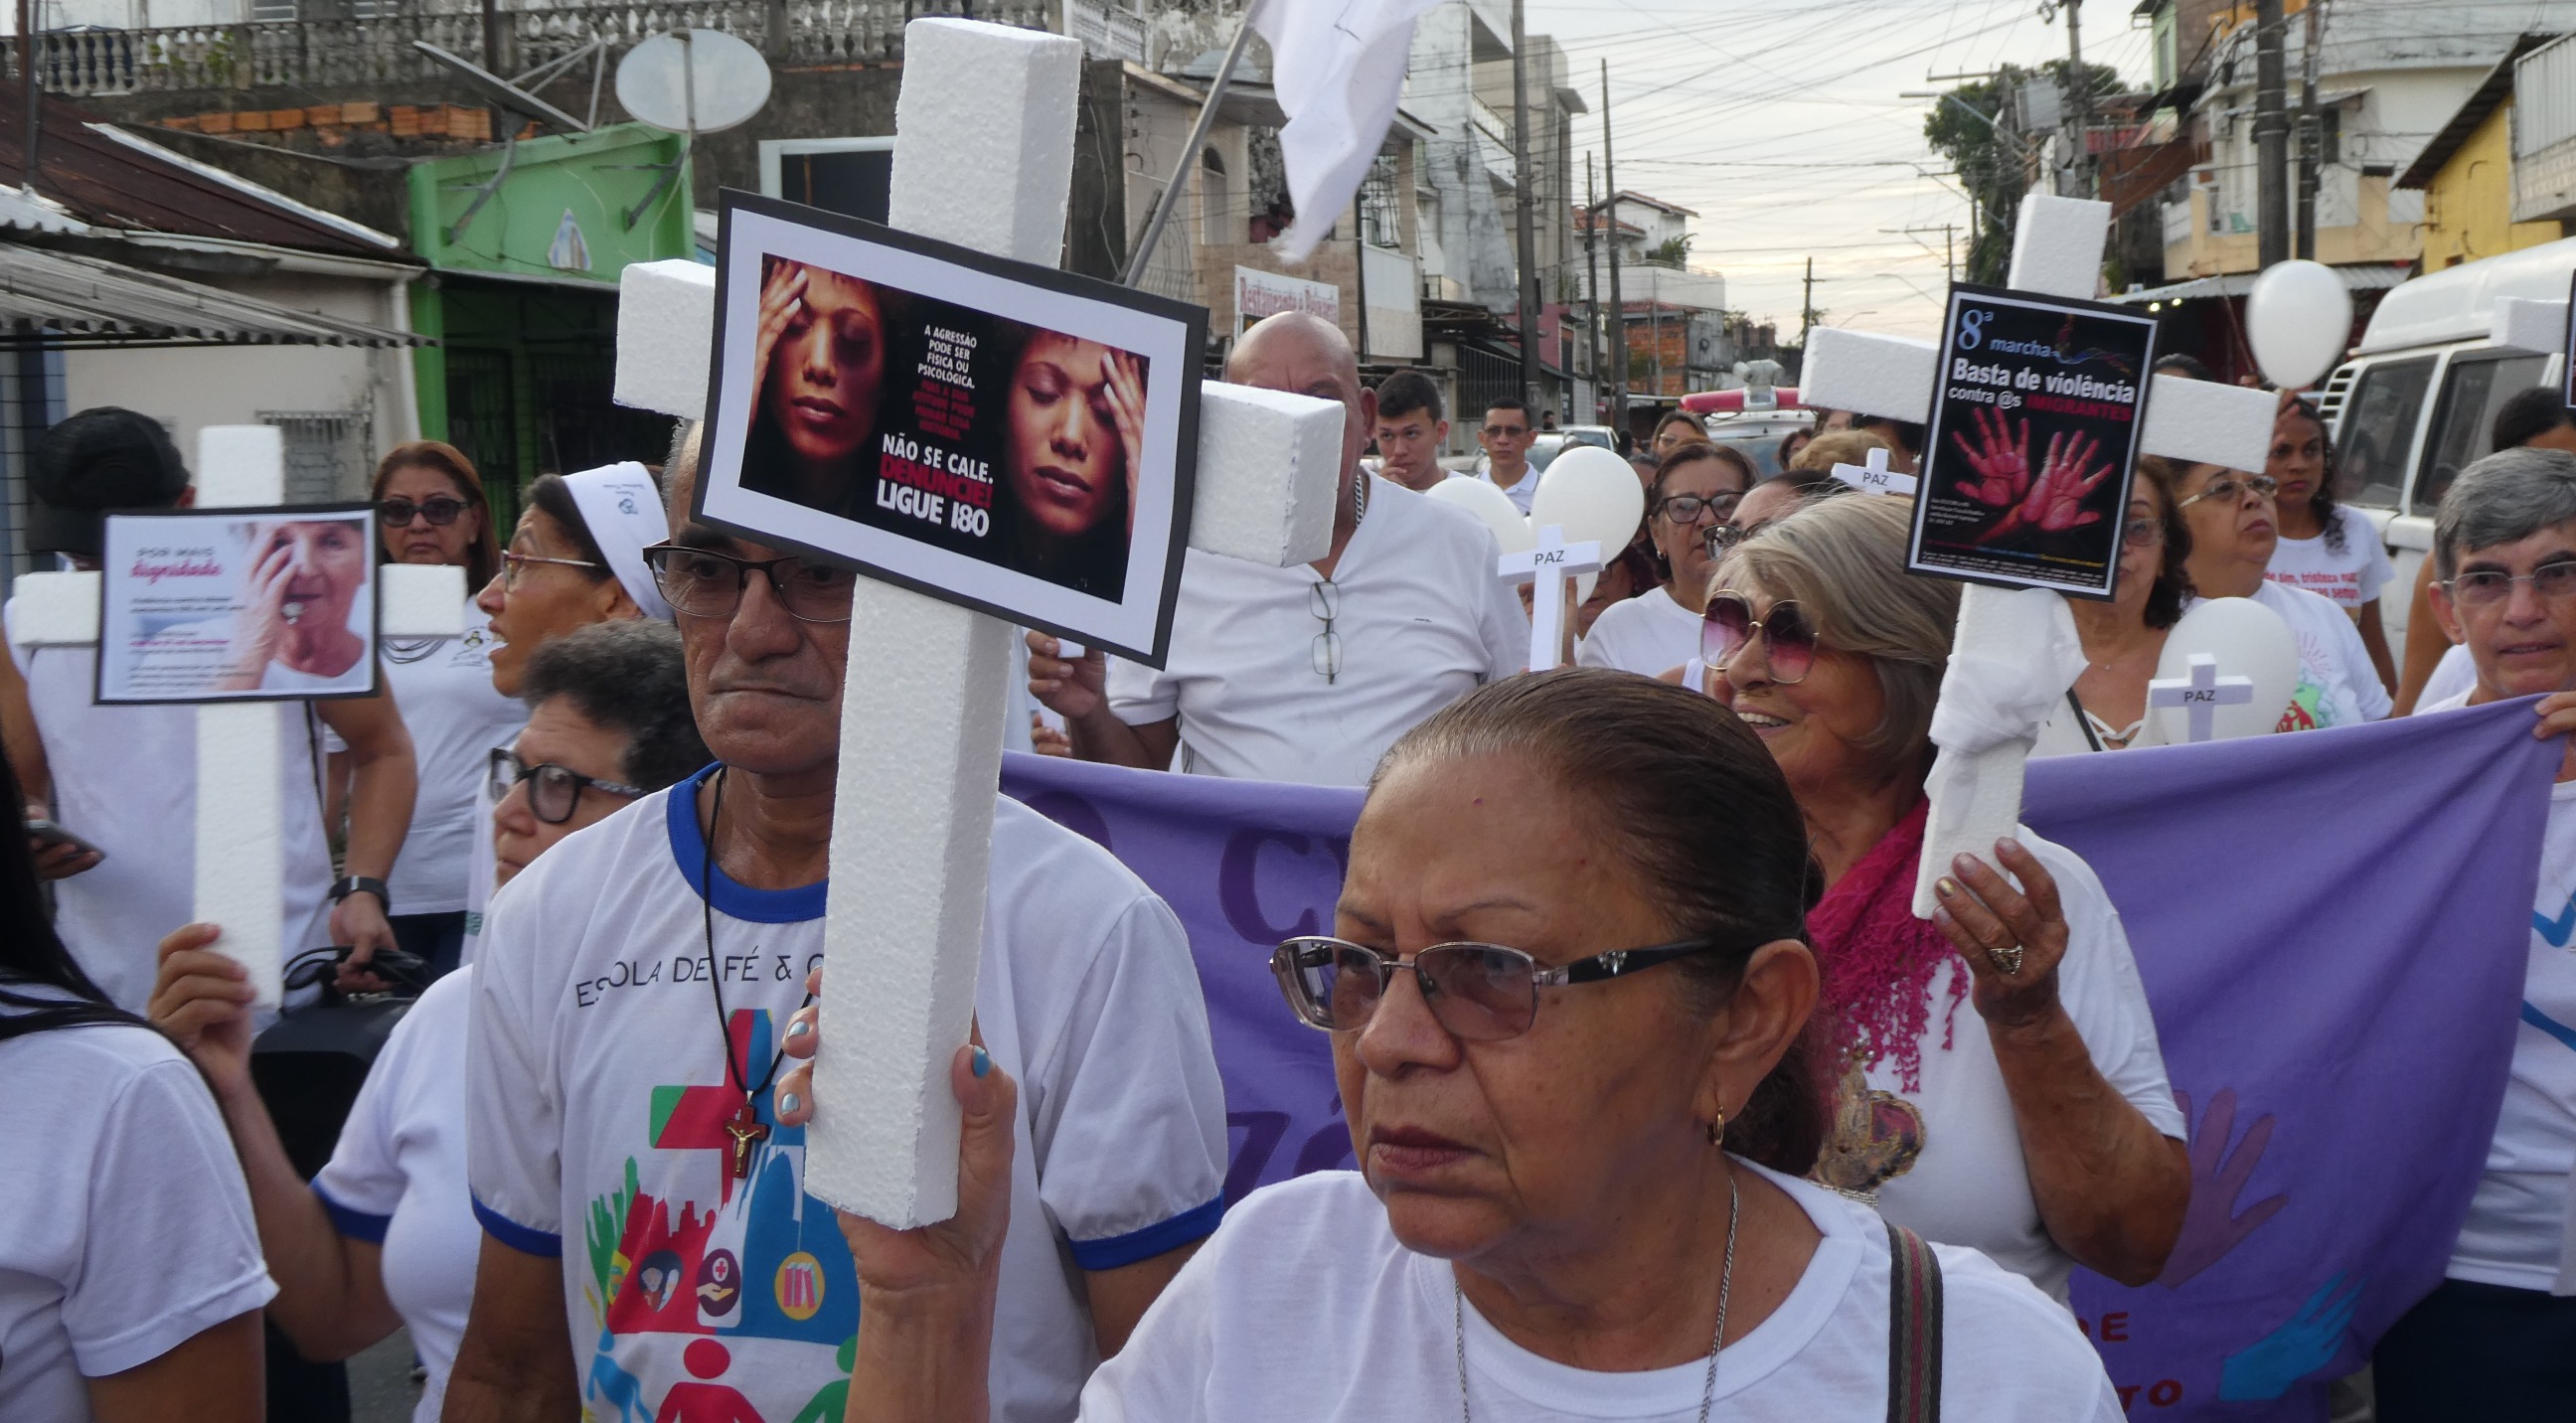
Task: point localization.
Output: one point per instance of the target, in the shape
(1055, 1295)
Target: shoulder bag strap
(2083, 719)
(1913, 1329)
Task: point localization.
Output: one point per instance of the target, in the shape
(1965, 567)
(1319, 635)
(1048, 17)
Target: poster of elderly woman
(237, 605)
(1010, 437)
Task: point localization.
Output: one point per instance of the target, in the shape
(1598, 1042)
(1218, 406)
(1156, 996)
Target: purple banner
(2332, 928)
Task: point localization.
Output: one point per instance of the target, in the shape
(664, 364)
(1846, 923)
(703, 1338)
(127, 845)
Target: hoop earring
(1717, 1131)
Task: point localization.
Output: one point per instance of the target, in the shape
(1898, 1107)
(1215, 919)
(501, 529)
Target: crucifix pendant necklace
(745, 1128)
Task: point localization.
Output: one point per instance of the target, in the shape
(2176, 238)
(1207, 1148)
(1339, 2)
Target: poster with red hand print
(2033, 437)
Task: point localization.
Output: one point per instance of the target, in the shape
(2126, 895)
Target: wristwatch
(362, 884)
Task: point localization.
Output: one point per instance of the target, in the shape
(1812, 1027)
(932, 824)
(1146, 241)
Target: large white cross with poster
(241, 815)
(983, 158)
(1996, 658)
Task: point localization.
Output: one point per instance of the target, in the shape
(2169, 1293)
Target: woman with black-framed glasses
(2049, 1138)
(1696, 489)
(385, 1235)
(1568, 1004)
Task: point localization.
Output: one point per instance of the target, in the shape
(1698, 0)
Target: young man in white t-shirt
(649, 1248)
(1304, 674)
(2497, 1339)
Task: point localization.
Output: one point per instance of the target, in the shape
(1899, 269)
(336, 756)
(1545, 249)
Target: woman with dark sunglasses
(1569, 1002)
(2049, 1138)
(385, 1236)
(430, 509)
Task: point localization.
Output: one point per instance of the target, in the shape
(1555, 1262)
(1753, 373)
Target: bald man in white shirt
(1308, 673)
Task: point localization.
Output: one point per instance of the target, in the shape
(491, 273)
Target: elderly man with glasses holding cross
(637, 1170)
(2497, 1338)
(1308, 673)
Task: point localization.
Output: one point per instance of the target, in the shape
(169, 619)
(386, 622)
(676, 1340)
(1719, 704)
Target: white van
(2416, 401)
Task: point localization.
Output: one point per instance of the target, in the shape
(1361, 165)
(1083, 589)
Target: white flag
(1338, 69)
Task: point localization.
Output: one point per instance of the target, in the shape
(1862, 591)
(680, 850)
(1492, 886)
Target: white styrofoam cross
(2201, 694)
(1875, 477)
(241, 813)
(983, 158)
(1546, 566)
(2057, 252)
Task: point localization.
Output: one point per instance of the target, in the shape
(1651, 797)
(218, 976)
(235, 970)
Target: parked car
(2416, 401)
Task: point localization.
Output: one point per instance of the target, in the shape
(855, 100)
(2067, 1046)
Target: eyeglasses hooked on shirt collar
(1324, 601)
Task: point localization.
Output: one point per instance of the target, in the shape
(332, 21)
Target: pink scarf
(1878, 960)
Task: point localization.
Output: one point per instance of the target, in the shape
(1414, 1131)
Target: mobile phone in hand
(46, 832)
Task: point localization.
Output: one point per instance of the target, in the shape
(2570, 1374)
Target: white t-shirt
(597, 1096)
(1305, 1307)
(1521, 494)
(1969, 1184)
(2517, 1233)
(2347, 579)
(125, 779)
(397, 1177)
(2337, 684)
(2454, 677)
(1421, 616)
(444, 687)
(1650, 634)
(125, 1226)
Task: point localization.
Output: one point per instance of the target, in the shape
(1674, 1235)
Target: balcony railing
(311, 53)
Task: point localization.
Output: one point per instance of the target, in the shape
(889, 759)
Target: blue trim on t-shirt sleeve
(1190, 1225)
(518, 1237)
(355, 1224)
(731, 899)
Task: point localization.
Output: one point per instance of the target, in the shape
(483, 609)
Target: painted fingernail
(1962, 864)
(1945, 887)
(982, 1062)
(798, 1029)
(2008, 845)
(789, 1102)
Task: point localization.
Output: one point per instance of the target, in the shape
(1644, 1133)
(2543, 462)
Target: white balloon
(1490, 505)
(2298, 319)
(2247, 640)
(1593, 495)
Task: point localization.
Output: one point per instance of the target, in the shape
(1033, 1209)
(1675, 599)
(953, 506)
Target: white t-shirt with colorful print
(2337, 684)
(598, 1099)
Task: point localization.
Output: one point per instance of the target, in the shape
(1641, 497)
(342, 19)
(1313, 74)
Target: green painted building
(525, 243)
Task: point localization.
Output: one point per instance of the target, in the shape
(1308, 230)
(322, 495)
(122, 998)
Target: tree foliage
(1998, 168)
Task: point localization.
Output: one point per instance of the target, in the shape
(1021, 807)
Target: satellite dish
(693, 81)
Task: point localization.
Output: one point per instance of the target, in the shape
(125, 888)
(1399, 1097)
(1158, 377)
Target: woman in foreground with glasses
(1696, 488)
(2048, 1139)
(430, 509)
(1568, 1004)
(385, 1236)
(2106, 709)
(2234, 529)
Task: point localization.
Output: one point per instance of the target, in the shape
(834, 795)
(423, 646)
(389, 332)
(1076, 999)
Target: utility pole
(1592, 285)
(2079, 100)
(1807, 313)
(2271, 138)
(1527, 261)
(1618, 308)
(2311, 133)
